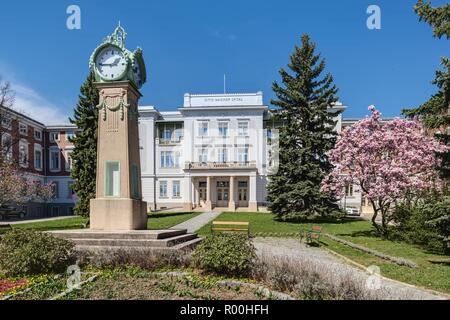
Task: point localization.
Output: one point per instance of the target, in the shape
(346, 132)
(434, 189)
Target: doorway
(242, 194)
(223, 193)
(202, 189)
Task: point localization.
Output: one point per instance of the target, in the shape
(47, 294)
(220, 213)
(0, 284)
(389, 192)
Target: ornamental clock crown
(112, 61)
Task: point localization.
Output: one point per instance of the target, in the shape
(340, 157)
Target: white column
(252, 203)
(208, 193)
(231, 202)
(187, 194)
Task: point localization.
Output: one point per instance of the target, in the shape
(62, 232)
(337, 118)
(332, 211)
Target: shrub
(27, 252)
(226, 253)
(425, 222)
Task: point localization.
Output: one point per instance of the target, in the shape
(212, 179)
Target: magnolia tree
(387, 160)
(16, 189)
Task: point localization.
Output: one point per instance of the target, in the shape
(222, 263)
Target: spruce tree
(437, 17)
(306, 134)
(435, 115)
(84, 155)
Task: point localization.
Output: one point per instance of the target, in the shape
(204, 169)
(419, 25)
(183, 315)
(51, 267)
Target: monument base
(118, 214)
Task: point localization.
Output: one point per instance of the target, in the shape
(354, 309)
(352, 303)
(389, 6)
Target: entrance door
(242, 194)
(202, 193)
(223, 193)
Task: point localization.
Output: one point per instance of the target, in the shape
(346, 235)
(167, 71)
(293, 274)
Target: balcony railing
(220, 165)
(162, 141)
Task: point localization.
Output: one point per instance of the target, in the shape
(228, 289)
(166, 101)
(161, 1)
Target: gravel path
(296, 250)
(197, 222)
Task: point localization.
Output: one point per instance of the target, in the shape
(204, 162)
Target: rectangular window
(163, 189)
(167, 134)
(68, 161)
(176, 189)
(170, 159)
(349, 190)
(243, 128)
(23, 154)
(38, 135)
(54, 136)
(7, 146)
(223, 129)
(23, 129)
(54, 160)
(135, 182)
(242, 155)
(167, 159)
(6, 122)
(203, 128)
(70, 135)
(203, 155)
(38, 159)
(222, 155)
(112, 179)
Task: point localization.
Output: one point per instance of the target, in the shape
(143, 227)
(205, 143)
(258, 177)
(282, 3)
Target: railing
(168, 141)
(220, 165)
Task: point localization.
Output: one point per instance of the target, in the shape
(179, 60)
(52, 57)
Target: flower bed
(7, 286)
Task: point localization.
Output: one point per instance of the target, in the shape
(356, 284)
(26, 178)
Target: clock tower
(120, 74)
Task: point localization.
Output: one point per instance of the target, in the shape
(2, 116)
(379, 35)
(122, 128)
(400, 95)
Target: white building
(217, 150)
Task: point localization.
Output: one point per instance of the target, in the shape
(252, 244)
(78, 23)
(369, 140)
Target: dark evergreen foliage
(84, 155)
(307, 132)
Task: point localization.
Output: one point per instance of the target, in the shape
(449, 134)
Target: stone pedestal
(118, 204)
(118, 214)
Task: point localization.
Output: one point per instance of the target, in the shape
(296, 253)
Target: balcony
(220, 165)
(168, 142)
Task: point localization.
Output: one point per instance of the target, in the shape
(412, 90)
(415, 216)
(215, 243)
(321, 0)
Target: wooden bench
(233, 226)
(313, 234)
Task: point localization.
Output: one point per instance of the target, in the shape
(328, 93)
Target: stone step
(184, 246)
(167, 242)
(135, 234)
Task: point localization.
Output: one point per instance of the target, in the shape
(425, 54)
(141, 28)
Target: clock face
(111, 63)
(137, 73)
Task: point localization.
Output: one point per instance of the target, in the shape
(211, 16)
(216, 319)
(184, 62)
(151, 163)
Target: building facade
(43, 154)
(216, 151)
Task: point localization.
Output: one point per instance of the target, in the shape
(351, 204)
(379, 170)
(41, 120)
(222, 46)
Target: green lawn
(160, 220)
(164, 220)
(433, 271)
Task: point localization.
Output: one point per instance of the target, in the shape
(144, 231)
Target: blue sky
(189, 45)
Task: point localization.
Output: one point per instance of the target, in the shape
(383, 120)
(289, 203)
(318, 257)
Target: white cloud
(32, 104)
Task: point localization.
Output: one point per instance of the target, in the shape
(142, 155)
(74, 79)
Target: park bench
(312, 234)
(232, 226)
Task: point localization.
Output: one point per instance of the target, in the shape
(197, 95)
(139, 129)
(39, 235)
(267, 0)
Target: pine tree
(306, 134)
(84, 155)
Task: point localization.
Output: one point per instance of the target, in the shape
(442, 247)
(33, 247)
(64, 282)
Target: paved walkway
(331, 264)
(197, 222)
(6, 222)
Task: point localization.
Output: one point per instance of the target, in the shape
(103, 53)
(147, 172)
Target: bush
(425, 223)
(226, 253)
(27, 252)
